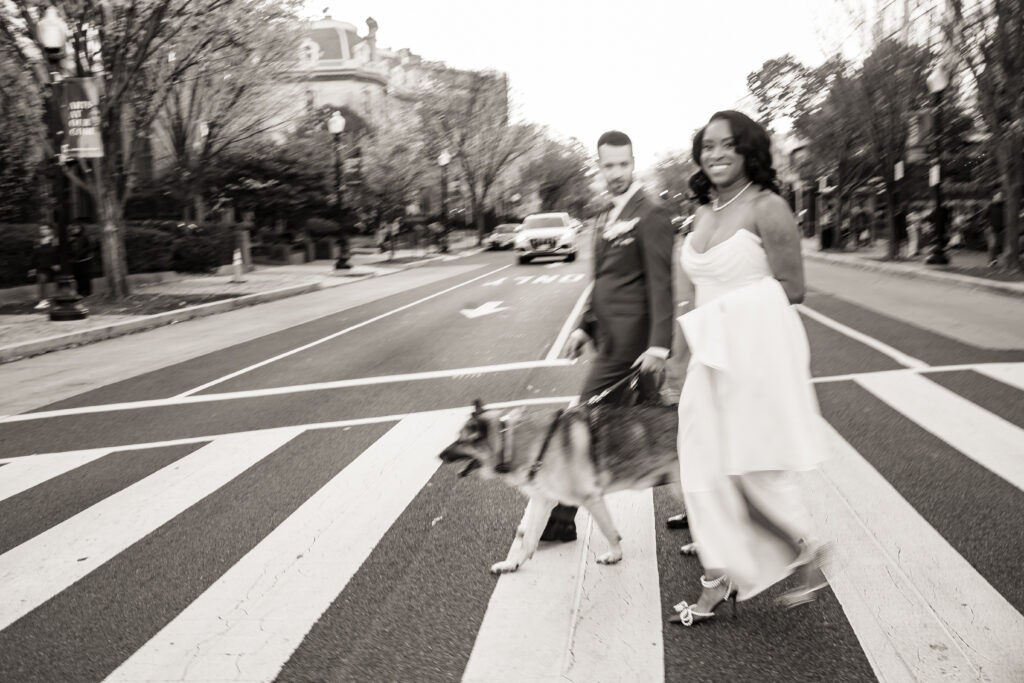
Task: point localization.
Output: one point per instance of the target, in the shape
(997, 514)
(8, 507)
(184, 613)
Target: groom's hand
(577, 341)
(650, 364)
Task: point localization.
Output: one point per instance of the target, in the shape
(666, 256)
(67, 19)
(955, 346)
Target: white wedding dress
(748, 415)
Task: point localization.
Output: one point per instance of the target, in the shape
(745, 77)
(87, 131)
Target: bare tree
(230, 98)
(468, 113)
(560, 173)
(989, 36)
(122, 43)
(395, 160)
(780, 88)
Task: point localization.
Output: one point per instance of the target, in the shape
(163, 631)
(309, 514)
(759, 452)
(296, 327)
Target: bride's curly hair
(752, 143)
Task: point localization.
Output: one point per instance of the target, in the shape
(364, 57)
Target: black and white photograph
(581, 342)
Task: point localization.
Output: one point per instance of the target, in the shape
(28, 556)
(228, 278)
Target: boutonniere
(619, 229)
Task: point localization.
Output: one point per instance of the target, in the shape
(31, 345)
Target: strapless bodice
(738, 261)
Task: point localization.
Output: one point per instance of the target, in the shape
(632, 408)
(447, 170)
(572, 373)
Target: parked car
(502, 237)
(547, 234)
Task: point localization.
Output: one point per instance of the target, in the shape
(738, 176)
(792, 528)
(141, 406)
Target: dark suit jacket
(630, 306)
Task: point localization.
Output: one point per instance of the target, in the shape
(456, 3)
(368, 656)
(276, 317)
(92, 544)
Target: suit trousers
(604, 373)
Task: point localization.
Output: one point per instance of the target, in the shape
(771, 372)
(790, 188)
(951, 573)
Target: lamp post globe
(336, 126)
(51, 33)
(937, 82)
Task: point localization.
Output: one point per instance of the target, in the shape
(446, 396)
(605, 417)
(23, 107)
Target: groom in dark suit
(628, 316)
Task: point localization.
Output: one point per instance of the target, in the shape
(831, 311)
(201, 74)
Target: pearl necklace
(716, 207)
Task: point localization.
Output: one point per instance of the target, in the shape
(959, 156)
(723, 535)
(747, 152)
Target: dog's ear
(478, 407)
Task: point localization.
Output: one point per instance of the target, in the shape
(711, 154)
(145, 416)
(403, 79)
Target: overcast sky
(656, 69)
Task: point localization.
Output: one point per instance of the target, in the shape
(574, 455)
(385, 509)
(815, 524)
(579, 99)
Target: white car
(502, 237)
(547, 234)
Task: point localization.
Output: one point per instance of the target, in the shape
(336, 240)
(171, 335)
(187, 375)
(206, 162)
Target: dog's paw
(504, 567)
(610, 557)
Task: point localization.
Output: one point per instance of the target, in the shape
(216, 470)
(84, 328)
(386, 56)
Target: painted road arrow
(483, 309)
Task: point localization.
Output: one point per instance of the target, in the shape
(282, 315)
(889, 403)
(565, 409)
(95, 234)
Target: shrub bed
(150, 246)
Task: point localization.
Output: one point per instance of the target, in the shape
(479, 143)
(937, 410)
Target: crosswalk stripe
(919, 609)
(38, 569)
(530, 611)
(881, 347)
(555, 618)
(1007, 373)
(985, 438)
(626, 595)
(23, 473)
(247, 624)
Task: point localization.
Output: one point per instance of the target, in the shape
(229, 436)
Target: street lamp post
(937, 82)
(335, 126)
(53, 37)
(443, 159)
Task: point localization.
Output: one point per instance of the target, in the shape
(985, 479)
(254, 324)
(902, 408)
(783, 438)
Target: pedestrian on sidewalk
(748, 416)
(45, 264)
(899, 231)
(995, 235)
(628, 315)
(83, 253)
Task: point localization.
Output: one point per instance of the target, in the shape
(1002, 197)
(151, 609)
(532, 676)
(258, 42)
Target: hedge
(150, 246)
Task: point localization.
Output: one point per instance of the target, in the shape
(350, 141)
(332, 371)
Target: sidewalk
(23, 336)
(966, 268)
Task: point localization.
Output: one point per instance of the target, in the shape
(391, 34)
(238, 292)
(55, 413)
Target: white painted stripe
(626, 595)
(1007, 373)
(248, 623)
(920, 611)
(336, 424)
(530, 614)
(21, 474)
(335, 335)
(986, 438)
(881, 347)
(576, 619)
(297, 388)
(569, 325)
(38, 569)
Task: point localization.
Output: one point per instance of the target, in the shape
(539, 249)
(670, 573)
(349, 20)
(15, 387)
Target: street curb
(38, 347)
(63, 341)
(1004, 288)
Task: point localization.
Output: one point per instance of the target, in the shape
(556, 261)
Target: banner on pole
(79, 100)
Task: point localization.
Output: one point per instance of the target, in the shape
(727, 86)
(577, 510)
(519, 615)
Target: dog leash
(633, 378)
(535, 467)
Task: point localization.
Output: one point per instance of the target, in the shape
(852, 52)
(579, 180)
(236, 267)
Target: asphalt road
(271, 506)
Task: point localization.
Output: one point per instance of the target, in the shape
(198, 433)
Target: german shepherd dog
(573, 457)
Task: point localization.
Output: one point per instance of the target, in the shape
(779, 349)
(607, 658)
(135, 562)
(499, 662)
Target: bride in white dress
(748, 416)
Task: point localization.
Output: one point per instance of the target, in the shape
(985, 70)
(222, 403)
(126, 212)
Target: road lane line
(21, 474)
(1007, 373)
(559, 607)
(334, 424)
(569, 325)
(985, 438)
(247, 624)
(42, 567)
(335, 335)
(297, 388)
(920, 611)
(881, 347)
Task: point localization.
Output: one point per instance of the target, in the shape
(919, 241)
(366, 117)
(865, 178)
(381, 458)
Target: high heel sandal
(687, 616)
(810, 564)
